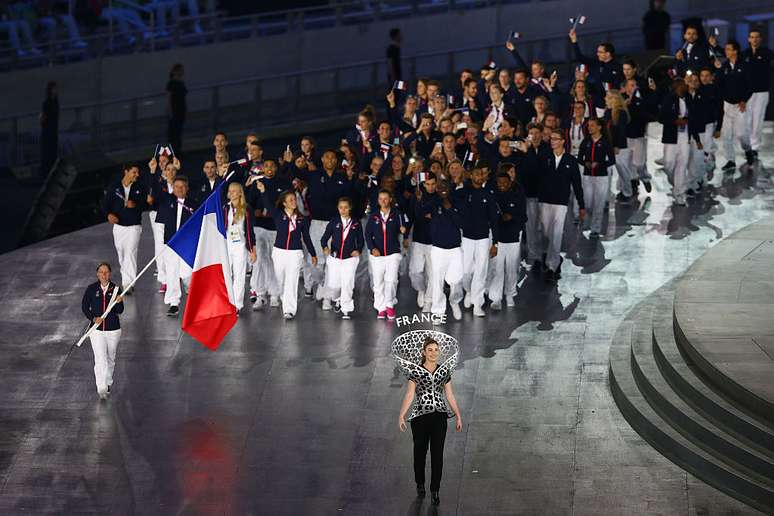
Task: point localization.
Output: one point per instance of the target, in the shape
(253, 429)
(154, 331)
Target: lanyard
(291, 228)
(104, 301)
(344, 235)
(593, 166)
(384, 231)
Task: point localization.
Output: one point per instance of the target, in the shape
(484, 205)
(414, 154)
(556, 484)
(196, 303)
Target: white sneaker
(468, 302)
(456, 312)
(496, 305)
(478, 311)
(275, 302)
(326, 305)
(421, 298)
(260, 302)
(509, 302)
(103, 395)
(345, 316)
(288, 316)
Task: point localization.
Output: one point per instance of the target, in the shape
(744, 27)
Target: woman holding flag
(240, 238)
(105, 337)
(288, 254)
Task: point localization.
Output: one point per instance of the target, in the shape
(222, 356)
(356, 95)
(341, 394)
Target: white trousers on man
(757, 108)
(385, 275)
(315, 274)
(475, 266)
(447, 267)
(127, 240)
(735, 127)
(596, 190)
(263, 280)
(157, 228)
(176, 270)
(552, 220)
(340, 281)
(534, 234)
(677, 157)
(505, 271)
(287, 265)
(623, 165)
(104, 344)
(237, 255)
(639, 163)
(421, 270)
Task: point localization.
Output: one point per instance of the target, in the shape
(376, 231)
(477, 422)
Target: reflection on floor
(301, 417)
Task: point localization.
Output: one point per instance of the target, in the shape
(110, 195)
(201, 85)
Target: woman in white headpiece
(427, 358)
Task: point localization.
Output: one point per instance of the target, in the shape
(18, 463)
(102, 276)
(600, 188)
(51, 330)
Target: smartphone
(459, 126)
(422, 177)
(396, 141)
(651, 82)
(513, 145)
(438, 145)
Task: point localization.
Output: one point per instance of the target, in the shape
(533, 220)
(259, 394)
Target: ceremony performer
(430, 390)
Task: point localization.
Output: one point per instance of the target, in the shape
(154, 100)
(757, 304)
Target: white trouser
(534, 234)
(127, 240)
(475, 264)
(676, 160)
(104, 344)
(735, 127)
(552, 220)
(447, 267)
(639, 148)
(709, 142)
(385, 271)
(757, 108)
(157, 229)
(421, 269)
(263, 280)
(315, 274)
(287, 265)
(697, 164)
(340, 280)
(176, 270)
(505, 271)
(237, 256)
(595, 194)
(623, 165)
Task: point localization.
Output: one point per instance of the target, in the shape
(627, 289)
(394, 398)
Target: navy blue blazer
(94, 305)
(115, 202)
(167, 214)
(334, 233)
(387, 242)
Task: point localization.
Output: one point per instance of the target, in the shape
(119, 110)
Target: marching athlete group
(457, 190)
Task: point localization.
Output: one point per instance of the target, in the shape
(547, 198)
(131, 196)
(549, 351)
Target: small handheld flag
(582, 68)
(514, 35)
(578, 20)
(492, 65)
(400, 85)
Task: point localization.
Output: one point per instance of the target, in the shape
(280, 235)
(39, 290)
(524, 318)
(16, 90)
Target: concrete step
(725, 475)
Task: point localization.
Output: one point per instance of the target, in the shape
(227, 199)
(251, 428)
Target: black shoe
(635, 186)
(730, 165)
(421, 491)
(750, 156)
(648, 186)
(549, 276)
(173, 310)
(434, 498)
(537, 266)
(622, 198)
(690, 192)
(308, 293)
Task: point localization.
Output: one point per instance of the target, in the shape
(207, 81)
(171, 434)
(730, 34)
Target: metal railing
(263, 102)
(216, 27)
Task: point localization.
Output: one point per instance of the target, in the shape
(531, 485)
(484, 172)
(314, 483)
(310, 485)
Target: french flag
(210, 312)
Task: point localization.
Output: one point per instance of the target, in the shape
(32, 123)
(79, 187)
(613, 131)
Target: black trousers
(429, 429)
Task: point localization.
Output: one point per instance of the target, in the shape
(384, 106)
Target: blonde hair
(240, 204)
(617, 105)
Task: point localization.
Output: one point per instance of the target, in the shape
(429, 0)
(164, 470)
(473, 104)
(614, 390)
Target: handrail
(324, 69)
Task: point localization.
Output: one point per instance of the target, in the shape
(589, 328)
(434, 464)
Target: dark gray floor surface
(300, 417)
